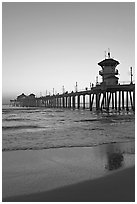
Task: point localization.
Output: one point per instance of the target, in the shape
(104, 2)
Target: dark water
(40, 128)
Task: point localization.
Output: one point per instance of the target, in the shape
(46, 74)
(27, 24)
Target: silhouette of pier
(105, 95)
(118, 97)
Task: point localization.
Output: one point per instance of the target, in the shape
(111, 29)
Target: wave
(87, 120)
(109, 118)
(65, 146)
(16, 119)
(20, 127)
(28, 110)
(19, 110)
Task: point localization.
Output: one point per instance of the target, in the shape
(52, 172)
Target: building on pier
(24, 101)
(109, 71)
(31, 101)
(21, 97)
(20, 101)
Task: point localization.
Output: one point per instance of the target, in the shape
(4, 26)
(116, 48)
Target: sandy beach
(117, 187)
(69, 174)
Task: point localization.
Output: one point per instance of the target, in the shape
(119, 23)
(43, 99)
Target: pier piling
(83, 101)
(127, 101)
(119, 106)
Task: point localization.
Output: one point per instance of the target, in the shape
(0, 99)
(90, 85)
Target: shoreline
(67, 147)
(47, 172)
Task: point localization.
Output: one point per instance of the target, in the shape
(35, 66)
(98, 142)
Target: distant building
(21, 100)
(26, 101)
(31, 100)
(32, 96)
(109, 71)
(21, 97)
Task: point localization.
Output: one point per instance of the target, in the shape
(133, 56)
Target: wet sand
(70, 174)
(117, 187)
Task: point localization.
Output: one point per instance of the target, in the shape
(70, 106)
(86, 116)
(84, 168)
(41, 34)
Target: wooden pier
(118, 97)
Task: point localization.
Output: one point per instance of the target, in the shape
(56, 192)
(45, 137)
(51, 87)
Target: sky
(51, 45)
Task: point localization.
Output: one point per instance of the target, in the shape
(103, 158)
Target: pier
(105, 95)
(118, 97)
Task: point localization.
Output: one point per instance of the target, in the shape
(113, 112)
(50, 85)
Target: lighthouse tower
(109, 71)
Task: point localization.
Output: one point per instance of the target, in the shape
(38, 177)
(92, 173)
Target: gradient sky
(48, 45)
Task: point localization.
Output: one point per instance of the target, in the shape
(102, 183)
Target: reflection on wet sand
(115, 161)
(116, 155)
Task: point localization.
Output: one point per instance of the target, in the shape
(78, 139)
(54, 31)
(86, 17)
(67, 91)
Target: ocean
(43, 128)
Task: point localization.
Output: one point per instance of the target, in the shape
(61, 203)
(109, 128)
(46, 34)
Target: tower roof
(108, 62)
